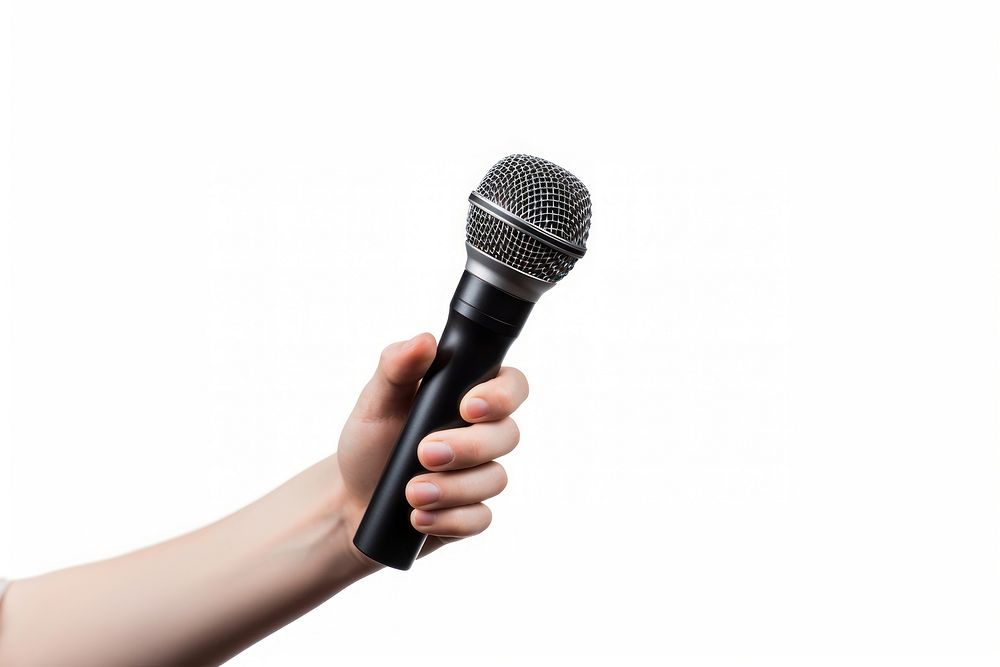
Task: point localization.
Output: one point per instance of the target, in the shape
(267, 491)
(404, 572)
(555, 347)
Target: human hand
(448, 500)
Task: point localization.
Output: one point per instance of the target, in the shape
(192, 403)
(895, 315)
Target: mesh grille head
(545, 196)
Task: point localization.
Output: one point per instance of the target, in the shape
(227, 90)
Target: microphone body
(528, 224)
(482, 324)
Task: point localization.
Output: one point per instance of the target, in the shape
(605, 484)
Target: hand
(448, 501)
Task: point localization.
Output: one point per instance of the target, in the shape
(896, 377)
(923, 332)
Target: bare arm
(196, 599)
(203, 597)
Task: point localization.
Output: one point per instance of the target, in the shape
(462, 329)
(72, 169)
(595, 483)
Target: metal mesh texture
(542, 194)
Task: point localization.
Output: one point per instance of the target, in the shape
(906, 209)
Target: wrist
(324, 534)
(342, 516)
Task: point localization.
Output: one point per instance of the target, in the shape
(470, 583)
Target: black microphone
(528, 224)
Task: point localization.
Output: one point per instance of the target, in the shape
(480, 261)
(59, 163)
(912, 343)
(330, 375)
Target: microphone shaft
(482, 324)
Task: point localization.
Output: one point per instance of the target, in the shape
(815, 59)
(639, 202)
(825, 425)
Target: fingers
(469, 446)
(455, 522)
(496, 398)
(438, 490)
(389, 393)
(448, 500)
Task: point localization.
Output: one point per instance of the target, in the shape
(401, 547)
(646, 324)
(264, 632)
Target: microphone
(528, 224)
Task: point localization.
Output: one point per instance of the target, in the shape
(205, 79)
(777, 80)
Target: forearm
(197, 599)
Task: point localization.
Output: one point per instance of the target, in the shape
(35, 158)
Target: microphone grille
(555, 205)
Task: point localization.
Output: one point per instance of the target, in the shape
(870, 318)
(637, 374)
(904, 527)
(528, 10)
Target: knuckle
(521, 379)
(486, 520)
(515, 432)
(471, 520)
(385, 356)
(502, 478)
(385, 361)
(504, 400)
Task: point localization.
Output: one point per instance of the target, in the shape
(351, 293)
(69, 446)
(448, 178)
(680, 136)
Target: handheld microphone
(528, 224)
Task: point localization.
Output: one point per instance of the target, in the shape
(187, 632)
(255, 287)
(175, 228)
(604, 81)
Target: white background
(764, 415)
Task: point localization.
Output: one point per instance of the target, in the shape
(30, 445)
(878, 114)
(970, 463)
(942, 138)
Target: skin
(203, 597)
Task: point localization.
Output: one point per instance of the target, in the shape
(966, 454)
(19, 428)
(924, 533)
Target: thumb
(388, 394)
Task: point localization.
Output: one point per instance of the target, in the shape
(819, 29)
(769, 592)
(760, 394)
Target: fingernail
(424, 493)
(413, 341)
(422, 518)
(476, 407)
(437, 453)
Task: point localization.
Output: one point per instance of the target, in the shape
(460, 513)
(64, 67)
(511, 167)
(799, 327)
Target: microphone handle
(482, 324)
